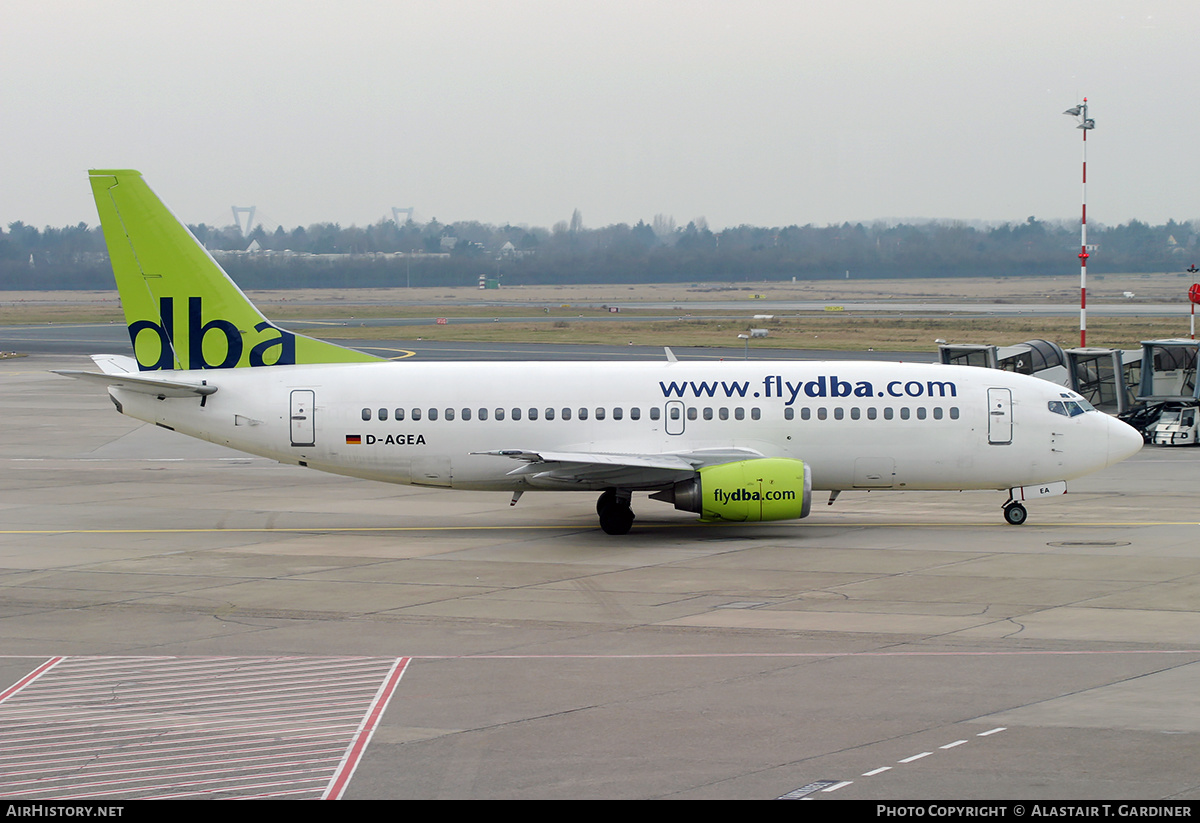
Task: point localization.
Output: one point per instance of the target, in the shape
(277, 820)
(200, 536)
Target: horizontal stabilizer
(145, 385)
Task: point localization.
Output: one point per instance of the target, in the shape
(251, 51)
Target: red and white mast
(1087, 124)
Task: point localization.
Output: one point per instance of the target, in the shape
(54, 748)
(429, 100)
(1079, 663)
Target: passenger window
(599, 412)
(549, 414)
(566, 414)
(499, 414)
(855, 413)
(789, 413)
(466, 414)
(707, 413)
(905, 413)
(516, 414)
(416, 414)
(533, 414)
(691, 413)
(433, 414)
(655, 413)
(822, 414)
(806, 413)
(920, 412)
(449, 414)
(483, 414)
(888, 414)
(618, 413)
(937, 413)
(723, 413)
(954, 412)
(366, 414)
(582, 413)
(872, 413)
(739, 413)
(399, 414)
(383, 414)
(756, 413)
(839, 413)
(635, 413)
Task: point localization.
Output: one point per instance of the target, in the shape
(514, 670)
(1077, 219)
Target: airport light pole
(1080, 112)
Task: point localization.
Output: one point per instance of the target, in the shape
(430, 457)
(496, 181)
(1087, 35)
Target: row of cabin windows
(693, 413)
(600, 413)
(872, 413)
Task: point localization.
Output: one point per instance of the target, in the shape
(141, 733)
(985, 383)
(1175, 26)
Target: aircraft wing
(588, 470)
(122, 372)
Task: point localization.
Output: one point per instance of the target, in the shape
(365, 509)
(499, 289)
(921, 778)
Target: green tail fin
(182, 309)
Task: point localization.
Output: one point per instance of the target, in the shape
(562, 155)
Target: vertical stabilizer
(182, 309)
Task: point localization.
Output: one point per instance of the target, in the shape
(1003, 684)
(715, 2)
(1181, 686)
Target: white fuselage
(870, 425)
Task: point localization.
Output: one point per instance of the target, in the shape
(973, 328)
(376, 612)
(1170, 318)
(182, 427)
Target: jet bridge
(1169, 394)
(1155, 390)
(1040, 358)
(1169, 371)
(1109, 379)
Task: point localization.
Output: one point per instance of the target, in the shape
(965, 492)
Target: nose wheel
(616, 516)
(1014, 513)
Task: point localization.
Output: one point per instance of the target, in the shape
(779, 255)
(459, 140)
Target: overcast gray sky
(768, 113)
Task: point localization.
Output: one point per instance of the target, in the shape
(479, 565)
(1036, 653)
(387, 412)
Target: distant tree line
(456, 254)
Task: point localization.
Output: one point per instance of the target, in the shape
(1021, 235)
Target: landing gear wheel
(616, 517)
(617, 520)
(607, 500)
(1014, 513)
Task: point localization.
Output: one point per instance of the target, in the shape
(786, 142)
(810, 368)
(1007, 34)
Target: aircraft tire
(616, 518)
(607, 500)
(1015, 514)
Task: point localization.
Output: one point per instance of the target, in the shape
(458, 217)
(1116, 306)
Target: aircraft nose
(1123, 440)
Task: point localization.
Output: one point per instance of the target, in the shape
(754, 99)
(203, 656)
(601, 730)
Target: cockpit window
(1069, 408)
(1071, 405)
(1083, 404)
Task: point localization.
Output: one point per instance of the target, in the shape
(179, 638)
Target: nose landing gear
(1014, 513)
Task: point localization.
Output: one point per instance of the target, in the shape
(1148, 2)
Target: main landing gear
(1014, 513)
(616, 517)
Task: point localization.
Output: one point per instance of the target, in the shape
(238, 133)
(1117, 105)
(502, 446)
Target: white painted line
(914, 757)
(991, 731)
(837, 786)
(29, 678)
(880, 770)
(366, 729)
(952, 745)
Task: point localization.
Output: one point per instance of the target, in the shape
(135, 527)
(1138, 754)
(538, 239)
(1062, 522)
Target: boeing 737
(728, 440)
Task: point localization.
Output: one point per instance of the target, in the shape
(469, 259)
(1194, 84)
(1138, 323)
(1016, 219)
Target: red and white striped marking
(159, 727)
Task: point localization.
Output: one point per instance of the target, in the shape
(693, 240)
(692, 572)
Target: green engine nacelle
(773, 488)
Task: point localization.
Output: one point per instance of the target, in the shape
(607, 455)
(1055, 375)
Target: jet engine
(771, 488)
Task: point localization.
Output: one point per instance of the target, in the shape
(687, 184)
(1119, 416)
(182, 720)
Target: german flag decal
(354, 440)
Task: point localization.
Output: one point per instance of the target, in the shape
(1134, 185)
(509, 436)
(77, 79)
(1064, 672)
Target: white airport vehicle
(1168, 393)
(729, 440)
(1176, 425)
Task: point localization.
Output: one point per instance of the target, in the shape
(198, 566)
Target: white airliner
(729, 440)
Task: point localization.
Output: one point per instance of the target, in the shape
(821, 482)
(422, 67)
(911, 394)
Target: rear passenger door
(303, 419)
